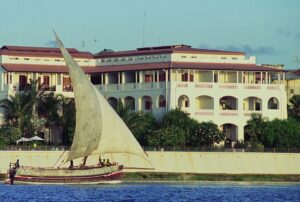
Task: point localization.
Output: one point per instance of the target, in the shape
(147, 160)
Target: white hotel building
(211, 85)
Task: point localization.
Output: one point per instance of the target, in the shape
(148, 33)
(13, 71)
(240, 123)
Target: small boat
(99, 130)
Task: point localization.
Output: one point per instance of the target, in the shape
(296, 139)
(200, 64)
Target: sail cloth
(98, 128)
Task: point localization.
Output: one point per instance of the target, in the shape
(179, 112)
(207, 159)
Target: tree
(282, 133)
(294, 107)
(206, 135)
(169, 136)
(48, 110)
(67, 119)
(178, 118)
(254, 127)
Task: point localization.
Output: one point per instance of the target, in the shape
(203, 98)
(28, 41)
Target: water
(128, 192)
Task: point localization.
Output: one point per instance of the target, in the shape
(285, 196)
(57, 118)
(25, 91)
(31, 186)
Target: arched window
(113, 102)
(161, 101)
(252, 104)
(183, 101)
(147, 102)
(204, 102)
(228, 103)
(273, 103)
(130, 102)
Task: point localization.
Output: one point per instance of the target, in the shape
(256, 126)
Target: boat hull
(88, 175)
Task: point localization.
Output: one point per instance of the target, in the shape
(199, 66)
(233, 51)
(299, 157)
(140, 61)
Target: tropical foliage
(281, 133)
(294, 107)
(254, 127)
(207, 135)
(31, 110)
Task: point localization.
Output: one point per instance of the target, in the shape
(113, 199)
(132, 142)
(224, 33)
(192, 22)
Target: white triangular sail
(98, 128)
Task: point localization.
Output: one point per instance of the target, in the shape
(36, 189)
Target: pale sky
(267, 29)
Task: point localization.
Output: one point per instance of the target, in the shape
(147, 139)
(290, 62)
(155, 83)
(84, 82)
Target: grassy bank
(208, 177)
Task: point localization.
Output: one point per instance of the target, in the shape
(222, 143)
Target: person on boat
(17, 164)
(84, 161)
(108, 163)
(101, 164)
(71, 164)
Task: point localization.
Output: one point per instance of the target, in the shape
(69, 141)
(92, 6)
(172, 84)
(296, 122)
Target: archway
(146, 103)
(113, 102)
(228, 103)
(204, 102)
(130, 102)
(161, 101)
(273, 103)
(252, 104)
(183, 101)
(231, 132)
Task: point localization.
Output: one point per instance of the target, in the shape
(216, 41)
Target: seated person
(108, 163)
(17, 164)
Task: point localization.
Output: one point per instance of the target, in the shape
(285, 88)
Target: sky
(267, 29)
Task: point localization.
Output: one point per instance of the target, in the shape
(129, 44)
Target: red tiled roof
(165, 50)
(221, 66)
(133, 67)
(41, 52)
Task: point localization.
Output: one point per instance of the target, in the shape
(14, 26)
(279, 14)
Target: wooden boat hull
(88, 175)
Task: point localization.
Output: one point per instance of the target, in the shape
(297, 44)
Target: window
(148, 78)
(96, 79)
(162, 102)
(148, 105)
(162, 76)
(191, 77)
(67, 84)
(292, 91)
(22, 82)
(184, 77)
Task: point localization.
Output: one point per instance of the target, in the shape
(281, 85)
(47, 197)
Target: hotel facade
(225, 87)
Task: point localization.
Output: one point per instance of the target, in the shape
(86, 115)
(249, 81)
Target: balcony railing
(229, 113)
(204, 112)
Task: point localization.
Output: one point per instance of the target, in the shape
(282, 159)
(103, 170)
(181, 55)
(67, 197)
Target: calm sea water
(153, 192)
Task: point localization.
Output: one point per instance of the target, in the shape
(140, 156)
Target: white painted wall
(174, 162)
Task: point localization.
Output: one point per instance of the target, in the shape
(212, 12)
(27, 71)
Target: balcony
(132, 86)
(230, 86)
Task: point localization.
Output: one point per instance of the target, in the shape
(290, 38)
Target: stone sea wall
(173, 162)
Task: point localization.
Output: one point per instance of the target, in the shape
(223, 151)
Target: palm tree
(16, 116)
(20, 117)
(67, 114)
(48, 111)
(254, 128)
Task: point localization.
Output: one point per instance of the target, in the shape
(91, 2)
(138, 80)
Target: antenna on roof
(143, 37)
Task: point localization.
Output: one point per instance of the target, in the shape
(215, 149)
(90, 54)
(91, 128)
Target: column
(136, 81)
(266, 77)
(167, 92)
(240, 132)
(213, 76)
(242, 77)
